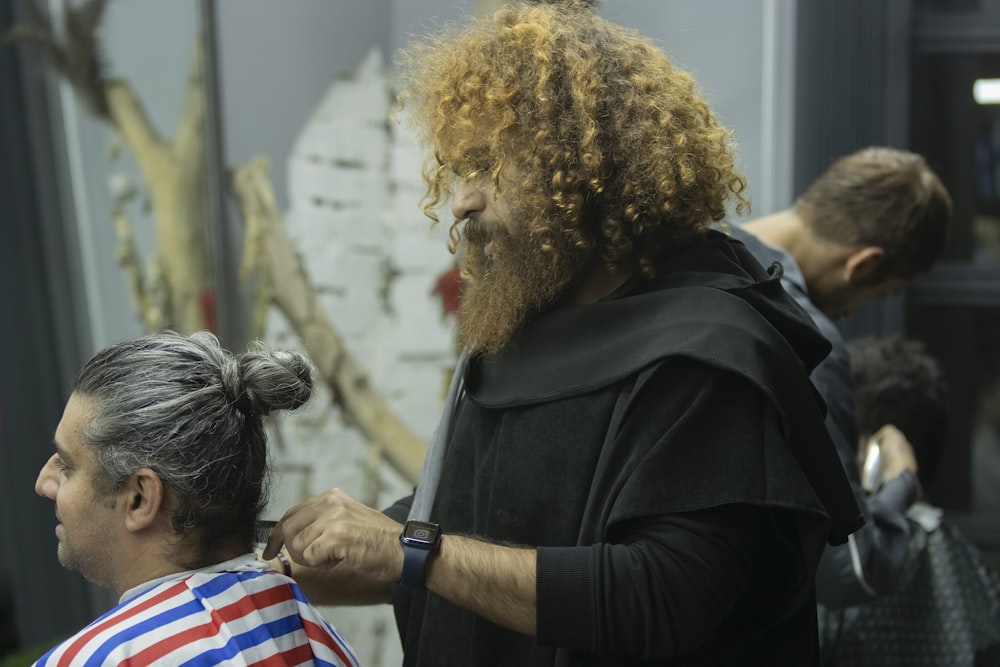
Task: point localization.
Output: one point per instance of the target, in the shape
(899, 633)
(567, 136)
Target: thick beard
(506, 289)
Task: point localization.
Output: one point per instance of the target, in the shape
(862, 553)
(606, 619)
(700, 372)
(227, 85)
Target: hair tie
(235, 388)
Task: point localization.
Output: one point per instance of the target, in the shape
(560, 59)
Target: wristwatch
(419, 539)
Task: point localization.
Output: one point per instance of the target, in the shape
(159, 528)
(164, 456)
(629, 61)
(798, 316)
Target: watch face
(421, 532)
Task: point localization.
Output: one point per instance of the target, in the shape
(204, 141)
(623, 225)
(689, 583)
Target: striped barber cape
(234, 613)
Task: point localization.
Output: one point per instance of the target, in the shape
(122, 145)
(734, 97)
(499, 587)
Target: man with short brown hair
(868, 226)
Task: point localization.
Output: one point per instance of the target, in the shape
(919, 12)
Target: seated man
(159, 476)
(946, 610)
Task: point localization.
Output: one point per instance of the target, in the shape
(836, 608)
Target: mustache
(476, 232)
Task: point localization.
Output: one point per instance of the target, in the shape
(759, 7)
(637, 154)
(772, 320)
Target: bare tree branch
(75, 53)
(295, 296)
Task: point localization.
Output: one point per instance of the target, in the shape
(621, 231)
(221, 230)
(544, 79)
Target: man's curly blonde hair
(593, 130)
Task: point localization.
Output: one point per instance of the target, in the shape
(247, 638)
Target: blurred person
(632, 468)
(985, 451)
(159, 476)
(873, 222)
(946, 608)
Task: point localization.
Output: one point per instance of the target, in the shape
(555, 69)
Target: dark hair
(884, 197)
(896, 381)
(193, 413)
(588, 127)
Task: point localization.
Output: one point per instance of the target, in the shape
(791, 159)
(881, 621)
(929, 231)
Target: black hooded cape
(665, 408)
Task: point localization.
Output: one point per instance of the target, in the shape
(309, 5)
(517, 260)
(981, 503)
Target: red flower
(449, 288)
(206, 302)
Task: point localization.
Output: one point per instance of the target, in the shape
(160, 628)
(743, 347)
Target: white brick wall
(354, 189)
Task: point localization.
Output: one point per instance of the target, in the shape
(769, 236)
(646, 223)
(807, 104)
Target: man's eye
(475, 166)
(60, 464)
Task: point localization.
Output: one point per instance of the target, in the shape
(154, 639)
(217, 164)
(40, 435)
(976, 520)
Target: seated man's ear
(862, 263)
(144, 496)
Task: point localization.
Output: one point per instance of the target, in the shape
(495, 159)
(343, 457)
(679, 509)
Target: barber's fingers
(274, 542)
(289, 525)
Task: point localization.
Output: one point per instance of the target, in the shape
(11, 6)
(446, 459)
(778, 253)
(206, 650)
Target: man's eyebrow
(63, 454)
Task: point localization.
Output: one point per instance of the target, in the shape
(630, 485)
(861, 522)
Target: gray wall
(744, 66)
(276, 59)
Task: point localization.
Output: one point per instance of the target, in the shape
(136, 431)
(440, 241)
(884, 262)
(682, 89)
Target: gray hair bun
(261, 380)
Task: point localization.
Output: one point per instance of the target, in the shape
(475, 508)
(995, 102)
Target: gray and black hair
(193, 413)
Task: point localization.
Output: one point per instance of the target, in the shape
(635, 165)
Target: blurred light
(986, 91)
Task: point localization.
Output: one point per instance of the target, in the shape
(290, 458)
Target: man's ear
(862, 263)
(144, 496)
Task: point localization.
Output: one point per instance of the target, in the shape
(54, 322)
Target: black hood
(713, 303)
(701, 299)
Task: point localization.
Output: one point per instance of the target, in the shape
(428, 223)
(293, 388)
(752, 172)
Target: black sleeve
(664, 592)
(869, 562)
(400, 509)
(679, 554)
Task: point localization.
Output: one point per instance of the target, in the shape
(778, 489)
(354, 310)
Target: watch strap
(415, 567)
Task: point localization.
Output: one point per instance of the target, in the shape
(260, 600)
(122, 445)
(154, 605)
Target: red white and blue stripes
(242, 616)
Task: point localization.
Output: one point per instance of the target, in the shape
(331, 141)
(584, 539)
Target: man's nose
(46, 485)
(468, 201)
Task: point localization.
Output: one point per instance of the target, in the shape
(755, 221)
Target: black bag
(947, 611)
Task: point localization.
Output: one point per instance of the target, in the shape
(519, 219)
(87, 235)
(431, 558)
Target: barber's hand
(334, 528)
(895, 451)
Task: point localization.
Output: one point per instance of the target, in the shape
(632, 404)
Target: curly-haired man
(634, 469)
